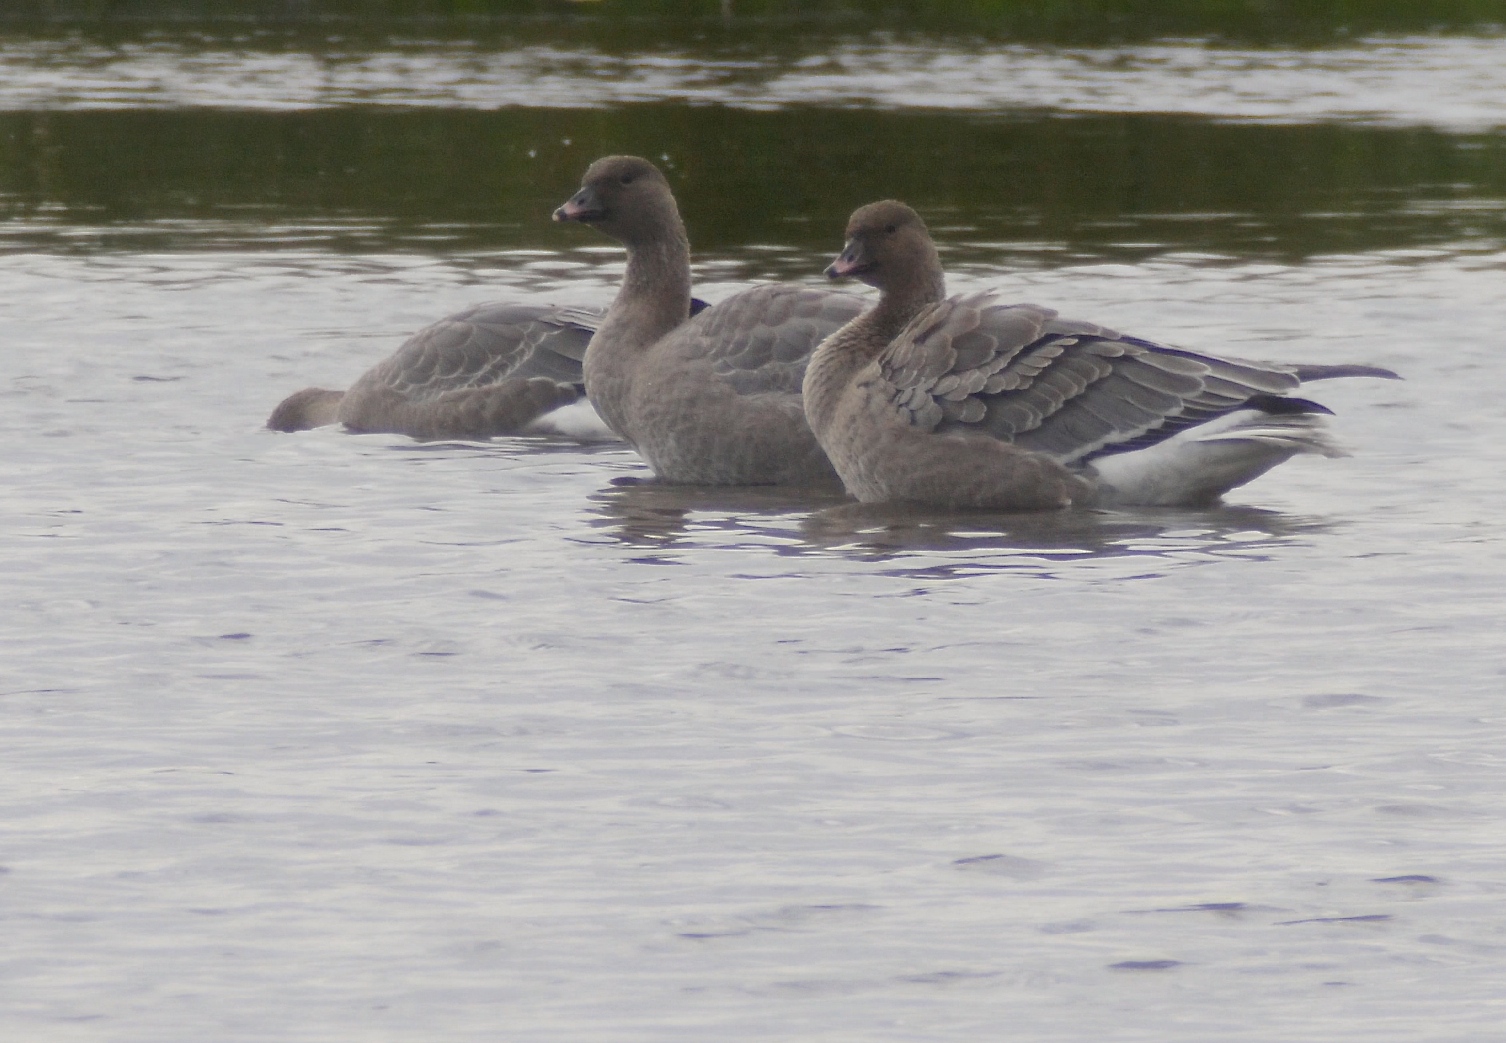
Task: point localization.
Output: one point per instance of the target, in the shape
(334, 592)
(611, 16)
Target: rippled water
(331, 737)
(1455, 82)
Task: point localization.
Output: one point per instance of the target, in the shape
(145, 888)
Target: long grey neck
(654, 297)
(840, 357)
(653, 300)
(900, 302)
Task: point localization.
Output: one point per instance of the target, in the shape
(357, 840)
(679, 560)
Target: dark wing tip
(1277, 405)
(1305, 373)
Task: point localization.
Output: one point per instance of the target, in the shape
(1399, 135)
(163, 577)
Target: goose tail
(1197, 466)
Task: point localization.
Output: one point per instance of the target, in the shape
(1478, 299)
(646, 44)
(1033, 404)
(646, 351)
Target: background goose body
(976, 402)
(494, 369)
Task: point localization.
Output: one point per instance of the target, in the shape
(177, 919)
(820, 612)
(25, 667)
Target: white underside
(578, 420)
(1200, 464)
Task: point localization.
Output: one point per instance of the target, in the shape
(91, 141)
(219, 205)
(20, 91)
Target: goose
(708, 400)
(972, 402)
(493, 369)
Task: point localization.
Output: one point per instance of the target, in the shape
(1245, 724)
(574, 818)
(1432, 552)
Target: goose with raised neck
(708, 400)
(971, 402)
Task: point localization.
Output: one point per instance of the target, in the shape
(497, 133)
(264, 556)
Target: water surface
(1449, 81)
(324, 737)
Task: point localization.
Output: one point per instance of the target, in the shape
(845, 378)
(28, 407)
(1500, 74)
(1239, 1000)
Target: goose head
(889, 247)
(625, 197)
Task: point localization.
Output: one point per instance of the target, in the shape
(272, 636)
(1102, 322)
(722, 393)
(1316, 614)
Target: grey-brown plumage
(976, 402)
(709, 400)
(490, 370)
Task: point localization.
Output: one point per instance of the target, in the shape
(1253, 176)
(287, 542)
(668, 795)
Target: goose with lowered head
(494, 369)
(709, 400)
(975, 403)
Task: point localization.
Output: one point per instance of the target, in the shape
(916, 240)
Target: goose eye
(890, 229)
(626, 179)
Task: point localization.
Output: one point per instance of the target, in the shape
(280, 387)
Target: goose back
(718, 400)
(493, 369)
(1070, 389)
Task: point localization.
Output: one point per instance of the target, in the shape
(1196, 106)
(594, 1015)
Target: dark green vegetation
(448, 180)
(1059, 20)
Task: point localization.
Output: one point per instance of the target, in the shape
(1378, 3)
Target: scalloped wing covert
(485, 345)
(1069, 389)
(759, 341)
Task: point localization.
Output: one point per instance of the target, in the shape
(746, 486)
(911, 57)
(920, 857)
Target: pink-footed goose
(495, 369)
(975, 403)
(710, 400)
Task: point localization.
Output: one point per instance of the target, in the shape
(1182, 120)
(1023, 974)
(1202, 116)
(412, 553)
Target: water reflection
(647, 513)
(665, 519)
(1038, 190)
(886, 530)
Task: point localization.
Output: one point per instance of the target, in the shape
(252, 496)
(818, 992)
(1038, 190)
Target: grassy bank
(1063, 20)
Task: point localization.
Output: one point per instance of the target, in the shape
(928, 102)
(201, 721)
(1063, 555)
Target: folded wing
(759, 341)
(486, 345)
(1072, 390)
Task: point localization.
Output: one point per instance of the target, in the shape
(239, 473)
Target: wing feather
(760, 340)
(1067, 388)
(485, 345)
